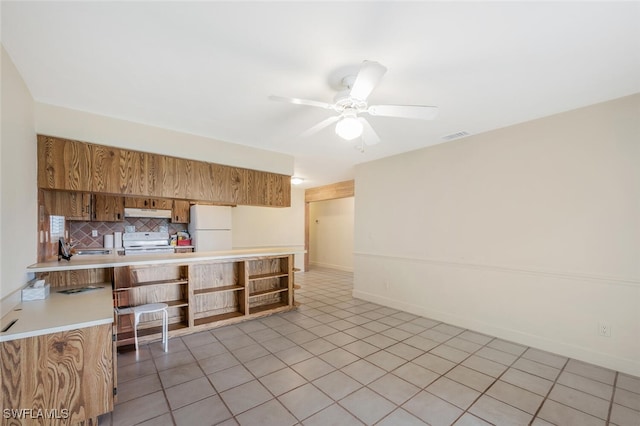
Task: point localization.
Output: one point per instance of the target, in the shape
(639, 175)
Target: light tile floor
(337, 360)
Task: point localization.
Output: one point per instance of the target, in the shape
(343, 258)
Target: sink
(87, 252)
(80, 289)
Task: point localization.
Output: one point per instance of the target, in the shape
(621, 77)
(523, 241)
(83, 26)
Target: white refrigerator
(210, 227)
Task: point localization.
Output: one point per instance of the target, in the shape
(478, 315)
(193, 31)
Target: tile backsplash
(81, 231)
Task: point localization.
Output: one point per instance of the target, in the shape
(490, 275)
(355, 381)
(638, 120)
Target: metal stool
(147, 309)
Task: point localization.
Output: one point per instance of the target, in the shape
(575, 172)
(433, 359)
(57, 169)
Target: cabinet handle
(118, 216)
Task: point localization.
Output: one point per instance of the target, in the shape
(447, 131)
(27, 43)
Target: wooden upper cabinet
(229, 184)
(108, 208)
(257, 188)
(133, 173)
(192, 180)
(105, 169)
(78, 166)
(180, 211)
(279, 190)
(181, 176)
(165, 176)
(71, 205)
(63, 164)
(202, 182)
(148, 203)
(159, 175)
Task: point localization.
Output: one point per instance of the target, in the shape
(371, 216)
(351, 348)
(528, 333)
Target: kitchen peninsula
(77, 334)
(203, 289)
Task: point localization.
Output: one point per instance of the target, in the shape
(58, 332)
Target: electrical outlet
(604, 329)
(94, 232)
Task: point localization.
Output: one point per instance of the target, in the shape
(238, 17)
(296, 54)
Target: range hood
(155, 213)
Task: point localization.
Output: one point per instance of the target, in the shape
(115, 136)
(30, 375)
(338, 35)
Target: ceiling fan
(350, 102)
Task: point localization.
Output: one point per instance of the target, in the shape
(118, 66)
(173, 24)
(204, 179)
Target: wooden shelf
(218, 289)
(172, 304)
(216, 318)
(153, 283)
(270, 306)
(265, 292)
(127, 337)
(267, 276)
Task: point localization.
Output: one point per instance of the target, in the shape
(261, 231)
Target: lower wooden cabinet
(68, 375)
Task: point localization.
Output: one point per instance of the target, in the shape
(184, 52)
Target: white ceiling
(207, 68)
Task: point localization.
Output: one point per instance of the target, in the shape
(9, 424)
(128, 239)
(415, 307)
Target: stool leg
(136, 320)
(165, 329)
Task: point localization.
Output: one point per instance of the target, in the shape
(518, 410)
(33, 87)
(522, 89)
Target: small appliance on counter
(146, 243)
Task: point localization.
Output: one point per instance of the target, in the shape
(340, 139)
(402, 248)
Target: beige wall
(84, 126)
(18, 194)
(270, 227)
(331, 233)
(530, 233)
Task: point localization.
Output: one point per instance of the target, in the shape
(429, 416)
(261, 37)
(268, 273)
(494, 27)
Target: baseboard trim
(331, 266)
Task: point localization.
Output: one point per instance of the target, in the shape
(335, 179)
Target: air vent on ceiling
(456, 135)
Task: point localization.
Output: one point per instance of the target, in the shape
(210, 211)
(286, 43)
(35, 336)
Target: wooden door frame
(323, 193)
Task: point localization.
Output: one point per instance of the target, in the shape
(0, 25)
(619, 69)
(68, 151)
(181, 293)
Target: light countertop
(59, 312)
(114, 260)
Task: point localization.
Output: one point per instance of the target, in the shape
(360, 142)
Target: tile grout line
(553, 385)
(613, 395)
(492, 383)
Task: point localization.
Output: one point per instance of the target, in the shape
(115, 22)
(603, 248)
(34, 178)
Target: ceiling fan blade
(369, 136)
(367, 79)
(299, 101)
(321, 125)
(420, 112)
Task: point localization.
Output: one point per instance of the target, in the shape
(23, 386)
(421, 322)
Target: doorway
(332, 208)
(331, 234)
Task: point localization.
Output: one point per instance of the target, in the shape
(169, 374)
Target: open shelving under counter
(270, 283)
(202, 290)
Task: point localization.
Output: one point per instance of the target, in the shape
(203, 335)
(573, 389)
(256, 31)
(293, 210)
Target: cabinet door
(201, 182)
(156, 175)
(108, 208)
(279, 194)
(257, 188)
(56, 370)
(71, 205)
(133, 173)
(136, 202)
(105, 169)
(63, 164)
(161, 203)
(166, 180)
(228, 184)
(180, 211)
(183, 178)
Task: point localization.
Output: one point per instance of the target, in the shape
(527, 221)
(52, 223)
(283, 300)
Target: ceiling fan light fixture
(349, 128)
